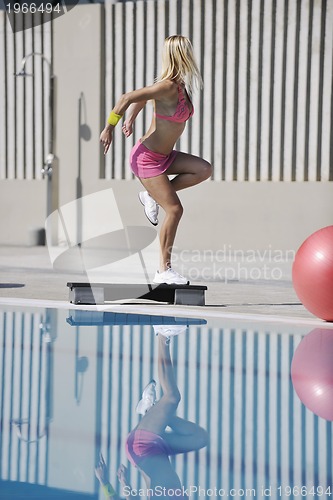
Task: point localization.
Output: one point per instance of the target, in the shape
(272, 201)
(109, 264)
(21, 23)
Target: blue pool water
(71, 380)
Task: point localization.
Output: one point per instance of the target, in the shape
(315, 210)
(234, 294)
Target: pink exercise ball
(312, 372)
(312, 273)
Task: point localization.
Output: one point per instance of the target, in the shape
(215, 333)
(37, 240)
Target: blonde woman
(153, 158)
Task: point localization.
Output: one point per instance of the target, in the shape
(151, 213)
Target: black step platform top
(72, 284)
(99, 293)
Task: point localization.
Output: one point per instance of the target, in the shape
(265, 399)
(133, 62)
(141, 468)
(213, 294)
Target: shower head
(23, 73)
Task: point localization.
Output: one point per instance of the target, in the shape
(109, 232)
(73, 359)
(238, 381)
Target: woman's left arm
(134, 110)
(158, 90)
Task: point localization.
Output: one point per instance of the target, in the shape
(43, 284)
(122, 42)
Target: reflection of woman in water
(150, 444)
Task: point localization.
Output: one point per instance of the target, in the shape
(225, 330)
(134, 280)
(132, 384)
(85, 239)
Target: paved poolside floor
(244, 286)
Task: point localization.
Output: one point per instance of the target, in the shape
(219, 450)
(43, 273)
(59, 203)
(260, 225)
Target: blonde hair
(178, 63)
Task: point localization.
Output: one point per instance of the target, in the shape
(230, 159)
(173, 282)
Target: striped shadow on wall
(234, 382)
(266, 109)
(25, 398)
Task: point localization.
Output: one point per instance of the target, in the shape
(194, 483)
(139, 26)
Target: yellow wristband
(114, 118)
(108, 490)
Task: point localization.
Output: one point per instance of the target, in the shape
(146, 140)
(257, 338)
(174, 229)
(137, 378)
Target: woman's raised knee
(206, 170)
(173, 397)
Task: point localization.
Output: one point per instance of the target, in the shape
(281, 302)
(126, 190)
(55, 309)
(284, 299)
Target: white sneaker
(170, 277)
(148, 398)
(169, 330)
(150, 206)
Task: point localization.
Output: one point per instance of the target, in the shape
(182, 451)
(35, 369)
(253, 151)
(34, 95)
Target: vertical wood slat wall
(265, 112)
(266, 109)
(24, 107)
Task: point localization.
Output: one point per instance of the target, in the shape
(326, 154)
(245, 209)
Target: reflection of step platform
(99, 293)
(80, 317)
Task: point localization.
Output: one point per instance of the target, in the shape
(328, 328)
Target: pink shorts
(141, 444)
(146, 163)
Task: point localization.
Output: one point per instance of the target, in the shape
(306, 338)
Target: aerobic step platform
(99, 293)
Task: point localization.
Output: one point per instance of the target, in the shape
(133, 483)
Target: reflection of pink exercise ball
(312, 372)
(313, 273)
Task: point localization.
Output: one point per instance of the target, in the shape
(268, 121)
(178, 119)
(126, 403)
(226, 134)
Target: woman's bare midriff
(162, 136)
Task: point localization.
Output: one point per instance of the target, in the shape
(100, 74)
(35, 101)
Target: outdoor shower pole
(48, 164)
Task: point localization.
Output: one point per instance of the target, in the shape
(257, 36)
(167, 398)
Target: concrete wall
(238, 215)
(254, 215)
(23, 211)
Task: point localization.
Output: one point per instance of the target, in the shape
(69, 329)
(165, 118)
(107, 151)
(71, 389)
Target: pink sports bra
(182, 113)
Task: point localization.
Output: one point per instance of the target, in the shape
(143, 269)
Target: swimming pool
(71, 380)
